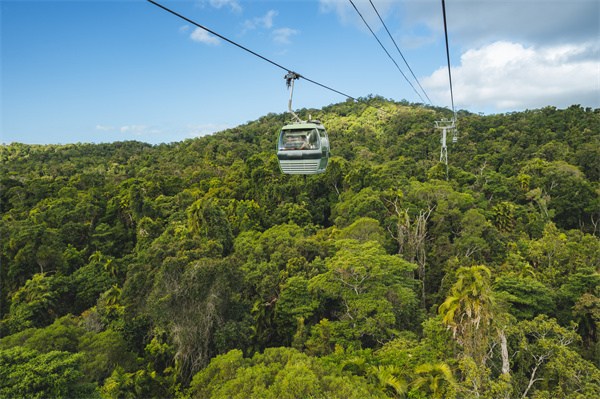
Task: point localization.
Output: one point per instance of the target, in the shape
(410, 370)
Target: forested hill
(197, 269)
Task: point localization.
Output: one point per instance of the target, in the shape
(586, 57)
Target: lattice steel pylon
(446, 125)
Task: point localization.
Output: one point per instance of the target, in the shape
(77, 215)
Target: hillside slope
(152, 271)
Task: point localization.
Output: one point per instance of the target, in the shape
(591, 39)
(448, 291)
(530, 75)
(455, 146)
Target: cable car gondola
(303, 146)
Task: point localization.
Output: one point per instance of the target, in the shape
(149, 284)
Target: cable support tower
(260, 56)
(400, 52)
(384, 49)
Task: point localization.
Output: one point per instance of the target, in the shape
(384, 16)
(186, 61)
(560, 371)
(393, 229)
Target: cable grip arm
(289, 82)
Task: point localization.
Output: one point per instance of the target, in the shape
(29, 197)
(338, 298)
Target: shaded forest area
(196, 269)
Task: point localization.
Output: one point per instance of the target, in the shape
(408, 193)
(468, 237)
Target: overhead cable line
(397, 48)
(448, 56)
(444, 124)
(256, 54)
(384, 49)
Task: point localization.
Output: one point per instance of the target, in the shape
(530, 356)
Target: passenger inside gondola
(290, 143)
(303, 143)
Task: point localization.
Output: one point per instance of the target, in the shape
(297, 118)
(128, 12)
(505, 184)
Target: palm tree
(119, 385)
(126, 385)
(196, 220)
(113, 295)
(504, 215)
(110, 267)
(388, 379)
(468, 310)
(96, 257)
(434, 379)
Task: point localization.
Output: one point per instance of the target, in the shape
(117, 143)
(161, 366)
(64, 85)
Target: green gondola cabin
(303, 148)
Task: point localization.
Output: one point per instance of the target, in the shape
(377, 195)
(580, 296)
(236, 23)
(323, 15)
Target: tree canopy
(198, 269)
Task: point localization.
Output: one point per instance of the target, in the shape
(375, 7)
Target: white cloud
(202, 36)
(138, 130)
(282, 35)
(263, 22)
(510, 76)
(233, 4)
(342, 9)
(267, 20)
(206, 129)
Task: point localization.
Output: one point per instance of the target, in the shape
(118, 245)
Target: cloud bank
(507, 76)
(513, 54)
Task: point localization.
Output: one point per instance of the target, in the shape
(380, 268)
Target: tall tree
(365, 281)
(469, 310)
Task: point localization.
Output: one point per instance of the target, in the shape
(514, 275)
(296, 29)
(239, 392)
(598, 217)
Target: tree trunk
(531, 381)
(504, 348)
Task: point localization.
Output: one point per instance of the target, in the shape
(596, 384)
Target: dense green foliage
(196, 269)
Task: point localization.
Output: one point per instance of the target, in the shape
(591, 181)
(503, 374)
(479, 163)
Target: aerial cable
(448, 56)
(397, 48)
(445, 124)
(256, 54)
(216, 34)
(384, 49)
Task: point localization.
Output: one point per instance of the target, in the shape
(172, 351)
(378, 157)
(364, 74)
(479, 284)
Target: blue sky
(105, 70)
